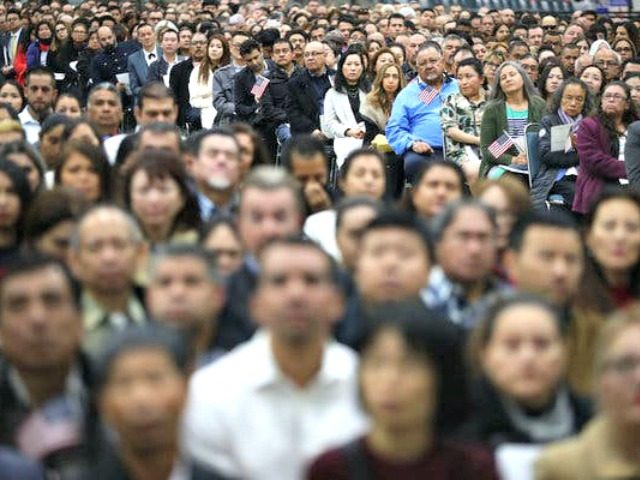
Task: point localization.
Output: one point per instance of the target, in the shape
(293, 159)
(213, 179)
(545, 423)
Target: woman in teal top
(514, 103)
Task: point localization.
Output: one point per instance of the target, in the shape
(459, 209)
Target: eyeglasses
(196, 44)
(623, 366)
(548, 27)
(606, 63)
(613, 96)
(623, 49)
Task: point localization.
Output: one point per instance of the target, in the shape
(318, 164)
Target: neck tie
(14, 45)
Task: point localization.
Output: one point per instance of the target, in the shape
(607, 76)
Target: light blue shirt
(412, 120)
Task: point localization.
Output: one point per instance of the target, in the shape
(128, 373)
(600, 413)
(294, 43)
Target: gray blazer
(632, 154)
(138, 70)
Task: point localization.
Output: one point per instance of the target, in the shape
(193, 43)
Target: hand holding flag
(259, 87)
(503, 143)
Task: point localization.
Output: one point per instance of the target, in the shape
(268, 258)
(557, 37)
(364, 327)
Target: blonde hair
(8, 126)
(377, 96)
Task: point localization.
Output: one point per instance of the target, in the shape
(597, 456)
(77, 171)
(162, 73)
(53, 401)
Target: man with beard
(248, 98)
(40, 92)
(110, 62)
(216, 171)
(414, 130)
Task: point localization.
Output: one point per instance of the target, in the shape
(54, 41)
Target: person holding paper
(514, 103)
(600, 143)
(461, 117)
(557, 139)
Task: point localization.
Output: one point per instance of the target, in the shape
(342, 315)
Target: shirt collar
(94, 314)
(268, 374)
(74, 387)
(26, 118)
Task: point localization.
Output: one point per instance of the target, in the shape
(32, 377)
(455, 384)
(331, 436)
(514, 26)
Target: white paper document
(515, 462)
(559, 136)
(123, 78)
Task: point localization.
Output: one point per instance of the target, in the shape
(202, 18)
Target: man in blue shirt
(414, 130)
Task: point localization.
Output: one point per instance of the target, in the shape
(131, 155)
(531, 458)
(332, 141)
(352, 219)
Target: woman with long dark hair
(550, 80)
(342, 119)
(412, 382)
(612, 273)
(600, 144)
(156, 191)
(201, 81)
(15, 197)
(514, 103)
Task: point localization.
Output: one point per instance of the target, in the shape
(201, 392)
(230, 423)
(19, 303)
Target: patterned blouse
(458, 111)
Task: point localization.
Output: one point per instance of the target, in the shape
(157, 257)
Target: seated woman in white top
(342, 120)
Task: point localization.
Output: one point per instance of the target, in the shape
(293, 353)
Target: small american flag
(428, 94)
(260, 86)
(501, 145)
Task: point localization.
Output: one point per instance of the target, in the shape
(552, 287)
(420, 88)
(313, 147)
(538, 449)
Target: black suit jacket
(302, 110)
(179, 84)
(247, 109)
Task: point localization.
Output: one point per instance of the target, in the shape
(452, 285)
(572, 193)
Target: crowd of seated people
(282, 240)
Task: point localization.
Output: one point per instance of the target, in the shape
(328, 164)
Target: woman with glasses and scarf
(558, 168)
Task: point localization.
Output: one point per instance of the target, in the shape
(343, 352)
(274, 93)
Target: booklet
(559, 136)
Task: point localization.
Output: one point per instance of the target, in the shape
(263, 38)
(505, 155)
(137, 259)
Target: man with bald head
(307, 87)
(111, 61)
(106, 250)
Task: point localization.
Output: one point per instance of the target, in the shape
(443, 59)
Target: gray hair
(181, 250)
(269, 178)
(448, 215)
(109, 87)
(135, 233)
(456, 37)
(529, 88)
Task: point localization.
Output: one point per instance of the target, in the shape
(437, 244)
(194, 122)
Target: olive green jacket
(494, 123)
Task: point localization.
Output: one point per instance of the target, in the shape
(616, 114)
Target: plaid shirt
(449, 298)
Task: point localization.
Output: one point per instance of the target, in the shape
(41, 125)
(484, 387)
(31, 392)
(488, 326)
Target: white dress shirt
(245, 419)
(30, 125)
